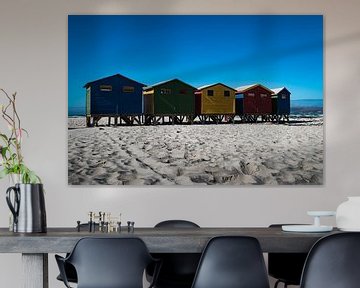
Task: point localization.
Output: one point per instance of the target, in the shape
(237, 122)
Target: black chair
(108, 263)
(69, 269)
(286, 267)
(232, 262)
(176, 224)
(178, 269)
(333, 262)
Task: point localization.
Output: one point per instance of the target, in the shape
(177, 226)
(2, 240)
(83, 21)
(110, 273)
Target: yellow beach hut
(215, 99)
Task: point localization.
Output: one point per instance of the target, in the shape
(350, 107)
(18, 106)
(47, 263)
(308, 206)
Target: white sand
(234, 154)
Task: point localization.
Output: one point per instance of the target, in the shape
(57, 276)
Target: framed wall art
(195, 100)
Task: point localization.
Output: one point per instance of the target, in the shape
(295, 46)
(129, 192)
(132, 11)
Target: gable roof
(245, 88)
(278, 90)
(165, 82)
(210, 85)
(112, 76)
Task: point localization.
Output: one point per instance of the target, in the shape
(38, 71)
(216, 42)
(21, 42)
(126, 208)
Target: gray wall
(33, 62)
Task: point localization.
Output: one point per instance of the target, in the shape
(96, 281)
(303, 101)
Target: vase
(348, 214)
(27, 205)
(13, 179)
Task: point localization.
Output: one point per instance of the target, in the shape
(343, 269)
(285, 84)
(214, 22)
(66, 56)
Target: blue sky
(236, 50)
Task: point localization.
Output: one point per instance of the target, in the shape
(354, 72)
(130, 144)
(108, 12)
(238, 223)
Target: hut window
(227, 93)
(183, 91)
(263, 95)
(210, 92)
(165, 91)
(128, 89)
(106, 88)
(251, 94)
(283, 96)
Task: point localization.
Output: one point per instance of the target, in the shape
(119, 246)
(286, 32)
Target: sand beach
(225, 154)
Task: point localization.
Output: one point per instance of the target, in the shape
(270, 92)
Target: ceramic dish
(306, 228)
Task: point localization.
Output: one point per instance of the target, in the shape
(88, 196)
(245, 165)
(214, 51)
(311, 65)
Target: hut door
(149, 104)
(251, 103)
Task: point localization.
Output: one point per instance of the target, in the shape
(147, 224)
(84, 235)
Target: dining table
(35, 247)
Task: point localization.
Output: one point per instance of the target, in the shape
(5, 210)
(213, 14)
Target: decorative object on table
(27, 204)
(348, 214)
(316, 227)
(101, 221)
(130, 226)
(78, 225)
(28, 208)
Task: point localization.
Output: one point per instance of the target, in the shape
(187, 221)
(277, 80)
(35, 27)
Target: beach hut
(215, 99)
(114, 96)
(172, 100)
(253, 101)
(281, 102)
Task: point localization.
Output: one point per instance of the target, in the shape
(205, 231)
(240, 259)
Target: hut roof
(164, 82)
(210, 85)
(278, 90)
(245, 88)
(112, 76)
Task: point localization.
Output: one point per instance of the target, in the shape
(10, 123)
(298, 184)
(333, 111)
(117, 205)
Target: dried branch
(12, 159)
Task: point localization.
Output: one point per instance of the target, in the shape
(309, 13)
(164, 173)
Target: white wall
(33, 62)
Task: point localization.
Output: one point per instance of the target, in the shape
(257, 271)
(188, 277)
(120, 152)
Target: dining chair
(178, 269)
(333, 262)
(286, 267)
(232, 262)
(108, 263)
(70, 271)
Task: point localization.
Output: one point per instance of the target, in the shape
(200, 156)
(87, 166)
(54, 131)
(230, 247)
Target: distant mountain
(307, 103)
(307, 106)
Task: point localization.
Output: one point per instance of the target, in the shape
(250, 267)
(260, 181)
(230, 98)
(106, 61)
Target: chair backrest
(333, 262)
(177, 269)
(110, 262)
(286, 266)
(232, 262)
(176, 224)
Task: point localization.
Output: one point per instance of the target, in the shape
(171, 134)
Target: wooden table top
(158, 240)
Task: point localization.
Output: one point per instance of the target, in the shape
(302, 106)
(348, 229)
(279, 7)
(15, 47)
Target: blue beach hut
(281, 101)
(113, 96)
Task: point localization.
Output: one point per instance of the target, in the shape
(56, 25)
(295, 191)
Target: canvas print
(195, 100)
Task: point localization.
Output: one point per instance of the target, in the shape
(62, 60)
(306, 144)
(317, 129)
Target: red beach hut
(256, 99)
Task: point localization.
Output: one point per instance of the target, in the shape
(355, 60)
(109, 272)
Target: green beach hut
(169, 98)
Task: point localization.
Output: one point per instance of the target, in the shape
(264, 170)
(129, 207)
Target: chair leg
(278, 282)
